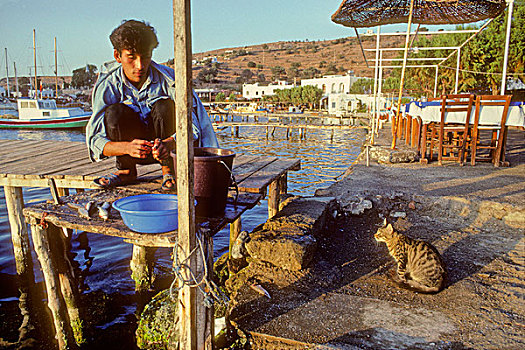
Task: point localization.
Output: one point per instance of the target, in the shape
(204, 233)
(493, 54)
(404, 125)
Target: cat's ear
(384, 223)
(389, 228)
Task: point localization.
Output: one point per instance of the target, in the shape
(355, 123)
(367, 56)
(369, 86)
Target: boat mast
(16, 81)
(56, 70)
(34, 58)
(7, 72)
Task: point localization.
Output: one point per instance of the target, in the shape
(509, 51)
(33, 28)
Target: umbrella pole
(436, 81)
(397, 116)
(376, 72)
(507, 41)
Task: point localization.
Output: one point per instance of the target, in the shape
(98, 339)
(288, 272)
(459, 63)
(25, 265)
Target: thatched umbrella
(370, 13)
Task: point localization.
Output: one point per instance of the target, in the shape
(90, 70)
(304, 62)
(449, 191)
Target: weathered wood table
(49, 231)
(33, 163)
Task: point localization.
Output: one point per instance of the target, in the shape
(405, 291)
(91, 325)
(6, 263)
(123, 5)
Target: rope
(208, 288)
(475, 72)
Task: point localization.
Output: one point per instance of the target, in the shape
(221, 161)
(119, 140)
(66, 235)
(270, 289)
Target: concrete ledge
(288, 240)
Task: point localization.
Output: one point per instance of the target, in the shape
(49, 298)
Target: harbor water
(102, 262)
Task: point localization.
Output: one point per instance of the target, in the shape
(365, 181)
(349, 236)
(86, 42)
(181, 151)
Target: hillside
(297, 59)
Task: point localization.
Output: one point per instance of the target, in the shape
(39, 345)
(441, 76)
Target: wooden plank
(27, 152)
(42, 182)
(243, 159)
(91, 170)
(37, 147)
(49, 165)
(258, 182)
(33, 163)
(242, 172)
(10, 146)
(294, 126)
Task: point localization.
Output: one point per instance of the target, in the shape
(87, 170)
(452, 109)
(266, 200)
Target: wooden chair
(451, 138)
(489, 137)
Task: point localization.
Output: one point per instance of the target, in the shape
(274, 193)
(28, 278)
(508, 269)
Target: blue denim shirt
(113, 87)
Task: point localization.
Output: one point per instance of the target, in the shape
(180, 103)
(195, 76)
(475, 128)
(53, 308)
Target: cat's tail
(421, 288)
(415, 286)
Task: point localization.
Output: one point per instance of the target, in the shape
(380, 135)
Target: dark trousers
(124, 124)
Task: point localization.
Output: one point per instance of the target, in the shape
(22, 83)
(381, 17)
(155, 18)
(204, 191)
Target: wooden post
(15, 204)
(273, 198)
(141, 265)
(185, 180)
(408, 129)
(283, 183)
(68, 285)
(403, 69)
(235, 229)
(205, 315)
(54, 301)
(63, 191)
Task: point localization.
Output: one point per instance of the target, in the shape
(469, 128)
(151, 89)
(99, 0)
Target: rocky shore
(328, 283)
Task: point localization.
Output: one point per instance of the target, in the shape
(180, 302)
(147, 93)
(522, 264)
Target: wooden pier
(37, 163)
(288, 121)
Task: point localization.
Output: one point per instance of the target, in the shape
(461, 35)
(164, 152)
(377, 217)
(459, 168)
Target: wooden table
(31, 163)
(28, 163)
(50, 221)
(424, 113)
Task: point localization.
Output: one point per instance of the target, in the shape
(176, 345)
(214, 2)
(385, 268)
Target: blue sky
(82, 27)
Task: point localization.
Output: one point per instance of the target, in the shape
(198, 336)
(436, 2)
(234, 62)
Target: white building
(342, 104)
(251, 91)
(45, 93)
(332, 84)
(206, 94)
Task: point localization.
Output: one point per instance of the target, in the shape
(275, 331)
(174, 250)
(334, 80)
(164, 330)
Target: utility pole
(507, 41)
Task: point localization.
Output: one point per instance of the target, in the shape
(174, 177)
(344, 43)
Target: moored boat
(44, 114)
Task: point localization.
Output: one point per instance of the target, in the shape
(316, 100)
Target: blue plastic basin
(149, 213)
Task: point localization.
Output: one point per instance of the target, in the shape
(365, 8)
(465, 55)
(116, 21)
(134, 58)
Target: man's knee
(115, 114)
(162, 108)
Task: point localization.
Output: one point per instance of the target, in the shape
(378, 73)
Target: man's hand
(161, 149)
(139, 148)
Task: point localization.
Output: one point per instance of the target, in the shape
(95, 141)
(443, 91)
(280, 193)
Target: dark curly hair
(135, 36)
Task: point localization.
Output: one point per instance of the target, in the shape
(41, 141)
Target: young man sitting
(133, 109)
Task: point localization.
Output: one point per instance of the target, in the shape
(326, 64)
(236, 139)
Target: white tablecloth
(489, 115)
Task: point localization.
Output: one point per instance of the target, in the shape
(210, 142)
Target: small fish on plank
(259, 289)
(90, 207)
(104, 211)
(82, 211)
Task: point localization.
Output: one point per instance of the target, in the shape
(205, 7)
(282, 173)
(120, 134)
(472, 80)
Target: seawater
(102, 262)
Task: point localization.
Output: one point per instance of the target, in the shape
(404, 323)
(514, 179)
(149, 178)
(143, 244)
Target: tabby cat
(419, 265)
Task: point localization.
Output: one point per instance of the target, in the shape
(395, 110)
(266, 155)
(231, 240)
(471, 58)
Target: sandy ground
(475, 216)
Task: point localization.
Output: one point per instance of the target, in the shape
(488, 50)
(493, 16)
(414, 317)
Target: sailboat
(37, 113)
